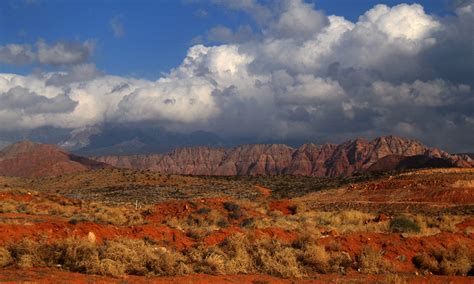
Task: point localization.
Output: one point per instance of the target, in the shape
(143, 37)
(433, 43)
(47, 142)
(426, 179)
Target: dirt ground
(44, 209)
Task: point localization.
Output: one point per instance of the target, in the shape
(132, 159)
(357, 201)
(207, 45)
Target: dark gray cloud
(78, 73)
(64, 52)
(16, 54)
(222, 34)
(57, 54)
(19, 99)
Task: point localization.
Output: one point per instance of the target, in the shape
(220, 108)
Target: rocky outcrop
(273, 159)
(28, 159)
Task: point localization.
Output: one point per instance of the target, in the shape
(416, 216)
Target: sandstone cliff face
(28, 159)
(190, 161)
(308, 160)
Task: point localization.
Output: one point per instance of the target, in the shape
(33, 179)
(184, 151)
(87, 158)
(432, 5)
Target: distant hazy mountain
(125, 139)
(47, 135)
(114, 139)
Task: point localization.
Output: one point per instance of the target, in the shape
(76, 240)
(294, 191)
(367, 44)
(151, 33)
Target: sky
(150, 37)
(317, 70)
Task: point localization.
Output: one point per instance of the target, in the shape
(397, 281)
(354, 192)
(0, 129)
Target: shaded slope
(397, 163)
(28, 159)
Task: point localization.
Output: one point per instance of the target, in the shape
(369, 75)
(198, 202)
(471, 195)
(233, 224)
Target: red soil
(181, 209)
(220, 235)
(283, 206)
(465, 224)
(435, 191)
(57, 229)
(395, 245)
(266, 192)
(15, 196)
(44, 275)
(450, 195)
(163, 211)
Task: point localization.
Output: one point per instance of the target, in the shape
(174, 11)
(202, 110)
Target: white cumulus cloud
(303, 75)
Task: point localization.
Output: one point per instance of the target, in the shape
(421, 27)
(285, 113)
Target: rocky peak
(309, 159)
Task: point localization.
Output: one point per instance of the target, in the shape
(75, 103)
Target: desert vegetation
(228, 234)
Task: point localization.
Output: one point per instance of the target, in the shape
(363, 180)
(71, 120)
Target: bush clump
(222, 223)
(403, 225)
(235, 215)
(247, 222)
(457, 260)
(203, 211)
(231, 206)
(371, 261)
(114, 258)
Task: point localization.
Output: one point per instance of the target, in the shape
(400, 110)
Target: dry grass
(5, 257)
(428, 226)
(140, 258)
(239, 254)
(199, 224)
(392, 278)
(107, 215)
(445, 223)
(236, 255)
(113, 258)
(457, 260)
(469, 231)
(371, 261)
(243, 254)
(316, 256)
(46, 207)
(53, 205)
(342, 222)
(246, 254)
(8, 207)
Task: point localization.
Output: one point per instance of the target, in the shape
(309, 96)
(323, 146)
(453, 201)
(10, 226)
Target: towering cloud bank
(303, 74)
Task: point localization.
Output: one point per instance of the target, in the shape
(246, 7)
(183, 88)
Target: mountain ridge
(29, 159)
(272, 159)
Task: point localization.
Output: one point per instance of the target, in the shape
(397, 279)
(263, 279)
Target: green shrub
(222, 223)
(232, 207)
(404, 225)
(203, 211)
(235, 215)
(247, 222)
